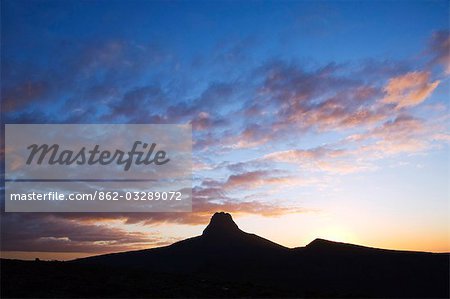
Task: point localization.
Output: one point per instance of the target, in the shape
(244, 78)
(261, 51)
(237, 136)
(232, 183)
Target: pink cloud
(410, 89)
(260, 178)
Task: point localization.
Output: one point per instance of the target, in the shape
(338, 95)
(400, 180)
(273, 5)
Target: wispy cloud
(439, 49)
(410, 89)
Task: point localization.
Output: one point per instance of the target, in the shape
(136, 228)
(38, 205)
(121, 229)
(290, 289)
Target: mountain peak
(320, 242)
(221, 223)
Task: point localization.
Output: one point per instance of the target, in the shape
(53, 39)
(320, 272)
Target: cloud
(324, 99)
(322, 159)
(439, 49)
(404, 134)
(22, 94)
(135, 103)
(204, 121)
(265, 103)
(34, 232)
(261, 178)
(302, 155)
(402, 127)
(442, 137)
(409, 89)
(77, 84)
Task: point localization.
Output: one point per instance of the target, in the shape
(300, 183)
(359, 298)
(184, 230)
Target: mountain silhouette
(219, 250)
(227, 262)
(222, 224)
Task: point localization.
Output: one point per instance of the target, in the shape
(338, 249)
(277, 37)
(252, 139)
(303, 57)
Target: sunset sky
(310, 118)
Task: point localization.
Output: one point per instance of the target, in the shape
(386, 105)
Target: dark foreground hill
(227, 262)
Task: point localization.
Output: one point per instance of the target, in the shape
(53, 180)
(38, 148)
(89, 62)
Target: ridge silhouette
(223, 252)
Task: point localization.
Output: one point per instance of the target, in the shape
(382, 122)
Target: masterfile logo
(98, 168)
(93, 156)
